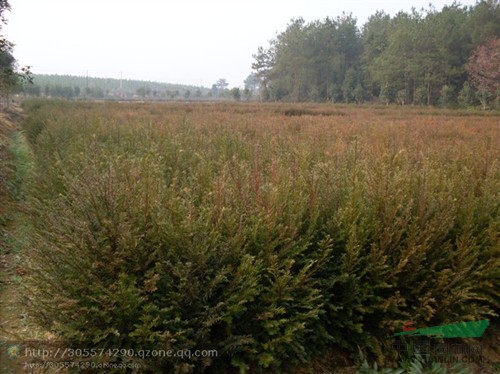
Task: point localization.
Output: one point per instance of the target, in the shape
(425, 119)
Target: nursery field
(276, 237)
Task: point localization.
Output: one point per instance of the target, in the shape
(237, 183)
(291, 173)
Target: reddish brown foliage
(484, 67)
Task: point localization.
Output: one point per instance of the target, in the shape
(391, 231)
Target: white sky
(175, 41)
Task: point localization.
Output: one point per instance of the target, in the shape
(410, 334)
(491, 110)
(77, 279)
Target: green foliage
(23, 160)
(387, 93)
(447, 96)
(483, 96)
(485, 21)
(420, 95)
(307, 60)
(416, 366)
(467, 96)
(236, 94)
(200, 227)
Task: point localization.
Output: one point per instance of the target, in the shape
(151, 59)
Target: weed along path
(16, 163)
(8, 277)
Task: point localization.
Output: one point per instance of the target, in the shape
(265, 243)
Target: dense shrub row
(263, 236)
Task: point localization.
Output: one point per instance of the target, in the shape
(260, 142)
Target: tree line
(427, 57)
(75, 87)
(79, 87)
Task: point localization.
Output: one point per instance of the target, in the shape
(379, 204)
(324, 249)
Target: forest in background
(79, 87)
(72, 87)
(448, 57)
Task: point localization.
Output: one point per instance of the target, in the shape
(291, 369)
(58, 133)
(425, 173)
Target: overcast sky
(177, 41)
